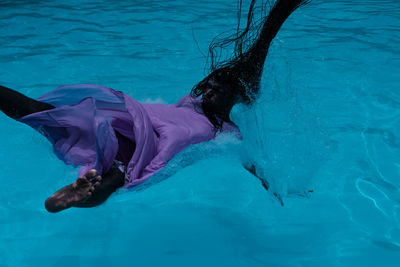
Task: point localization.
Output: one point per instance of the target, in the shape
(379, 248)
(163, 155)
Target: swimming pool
(327, 121)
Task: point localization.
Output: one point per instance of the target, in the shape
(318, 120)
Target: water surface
(327, 121)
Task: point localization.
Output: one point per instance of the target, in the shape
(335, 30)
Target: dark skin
(87, 191)
(218, 99)
(77, 193)
(91, 189)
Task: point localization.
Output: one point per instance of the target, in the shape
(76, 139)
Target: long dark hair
(241, 74)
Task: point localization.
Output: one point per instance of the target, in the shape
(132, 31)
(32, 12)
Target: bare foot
(73, 194)
(110, 182)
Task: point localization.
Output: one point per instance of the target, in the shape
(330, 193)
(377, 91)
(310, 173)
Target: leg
(16, 105)
(88, 191)
(110, 182)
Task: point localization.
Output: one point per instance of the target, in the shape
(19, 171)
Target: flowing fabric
(92, 125)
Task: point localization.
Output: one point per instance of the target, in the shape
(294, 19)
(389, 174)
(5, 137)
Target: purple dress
(92, 126)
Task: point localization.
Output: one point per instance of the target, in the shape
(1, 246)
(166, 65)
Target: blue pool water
(328, 120)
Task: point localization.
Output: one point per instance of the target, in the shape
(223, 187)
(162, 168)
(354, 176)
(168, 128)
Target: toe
(91, 174)
(97, 179)
(79, 182)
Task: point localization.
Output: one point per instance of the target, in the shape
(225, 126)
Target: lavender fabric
(93, 125)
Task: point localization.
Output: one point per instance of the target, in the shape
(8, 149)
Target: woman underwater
(120, 142)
